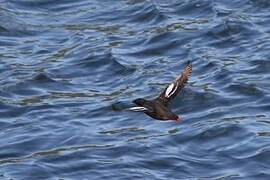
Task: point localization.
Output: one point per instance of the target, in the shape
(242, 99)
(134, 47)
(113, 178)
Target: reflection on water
(69, 69)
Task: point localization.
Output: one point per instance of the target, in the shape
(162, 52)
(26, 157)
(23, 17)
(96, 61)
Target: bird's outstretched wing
(173, 89)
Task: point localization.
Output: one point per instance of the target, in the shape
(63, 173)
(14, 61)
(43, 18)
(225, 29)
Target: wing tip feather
(188, 68)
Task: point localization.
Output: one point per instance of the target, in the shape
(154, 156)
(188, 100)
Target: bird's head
(139, 101)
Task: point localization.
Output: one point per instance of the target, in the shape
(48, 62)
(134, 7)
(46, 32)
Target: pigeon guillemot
(158, 107)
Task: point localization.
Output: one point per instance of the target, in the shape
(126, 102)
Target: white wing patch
(170, 90)
(138, 108)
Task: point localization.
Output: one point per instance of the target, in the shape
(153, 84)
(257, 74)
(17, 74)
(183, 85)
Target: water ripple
(69, 69)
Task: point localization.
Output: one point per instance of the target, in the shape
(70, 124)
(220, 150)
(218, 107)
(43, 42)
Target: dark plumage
(158, 107)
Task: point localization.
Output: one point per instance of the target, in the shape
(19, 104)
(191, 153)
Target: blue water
(68, 68)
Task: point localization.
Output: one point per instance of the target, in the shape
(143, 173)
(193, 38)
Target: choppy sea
(68, 68)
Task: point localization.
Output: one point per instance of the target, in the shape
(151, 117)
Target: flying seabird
(158, 107)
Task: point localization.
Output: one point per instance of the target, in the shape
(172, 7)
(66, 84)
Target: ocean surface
(69, 68)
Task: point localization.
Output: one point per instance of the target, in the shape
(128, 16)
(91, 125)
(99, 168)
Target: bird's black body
(158, 107)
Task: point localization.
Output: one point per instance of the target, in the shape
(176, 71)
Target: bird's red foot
(179, 120)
